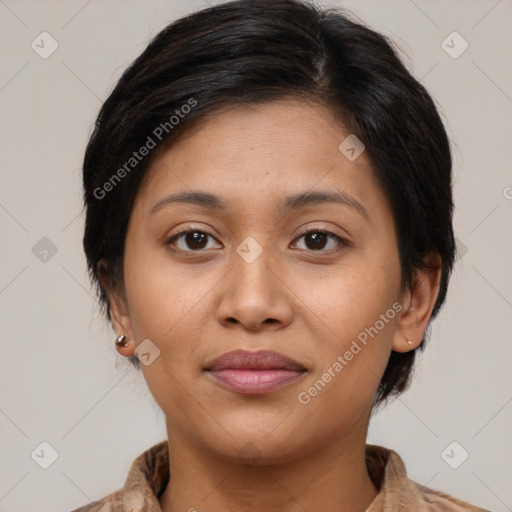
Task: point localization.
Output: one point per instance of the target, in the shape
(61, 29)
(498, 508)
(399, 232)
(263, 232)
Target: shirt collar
(149, 474)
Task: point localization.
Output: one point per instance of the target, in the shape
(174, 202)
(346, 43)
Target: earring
(122, 341)
(409, 342)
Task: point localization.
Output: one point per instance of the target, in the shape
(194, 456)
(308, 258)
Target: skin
(196, 301)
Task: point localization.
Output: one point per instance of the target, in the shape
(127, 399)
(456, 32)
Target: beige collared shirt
(149, 474)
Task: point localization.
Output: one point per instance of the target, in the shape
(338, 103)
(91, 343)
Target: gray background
(61, 380)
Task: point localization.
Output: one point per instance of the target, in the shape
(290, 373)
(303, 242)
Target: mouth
(252, 373)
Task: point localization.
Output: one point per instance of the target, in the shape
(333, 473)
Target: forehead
(261, 151)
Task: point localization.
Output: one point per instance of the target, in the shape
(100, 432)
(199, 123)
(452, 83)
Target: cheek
(357, 307)
(160, 295)
(350, 297)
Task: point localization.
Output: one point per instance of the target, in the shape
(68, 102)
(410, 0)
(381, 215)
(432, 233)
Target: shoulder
(146, 480)
(398, 492)
(111, 503)
(439, 501)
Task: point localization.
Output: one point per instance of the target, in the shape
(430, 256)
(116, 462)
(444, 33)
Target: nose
(255, 294)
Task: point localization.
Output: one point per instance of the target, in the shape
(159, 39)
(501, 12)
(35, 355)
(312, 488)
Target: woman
(269, 223)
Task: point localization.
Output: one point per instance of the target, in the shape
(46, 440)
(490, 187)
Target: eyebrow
(288, 204)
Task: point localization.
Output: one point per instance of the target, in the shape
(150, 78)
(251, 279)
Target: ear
(417, 305)
(118, 307)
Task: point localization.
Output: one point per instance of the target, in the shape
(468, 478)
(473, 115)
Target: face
(315, 280)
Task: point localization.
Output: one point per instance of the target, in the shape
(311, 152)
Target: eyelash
(344, 243)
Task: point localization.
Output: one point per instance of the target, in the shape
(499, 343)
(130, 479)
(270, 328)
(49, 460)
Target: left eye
(316, 239)
(194, 240)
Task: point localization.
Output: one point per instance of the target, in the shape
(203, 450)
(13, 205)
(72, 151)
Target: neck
(331, 478)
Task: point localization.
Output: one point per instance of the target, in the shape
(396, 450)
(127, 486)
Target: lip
(254, 372)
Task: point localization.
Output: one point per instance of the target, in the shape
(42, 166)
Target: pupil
(195, 238)
(318, 238)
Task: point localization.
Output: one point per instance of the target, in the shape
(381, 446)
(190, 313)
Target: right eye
(194, 239)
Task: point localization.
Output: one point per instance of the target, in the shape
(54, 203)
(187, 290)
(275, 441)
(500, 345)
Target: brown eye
(317, 240)
(190, 240)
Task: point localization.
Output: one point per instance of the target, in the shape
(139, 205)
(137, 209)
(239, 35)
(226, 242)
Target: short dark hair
(252, 51)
